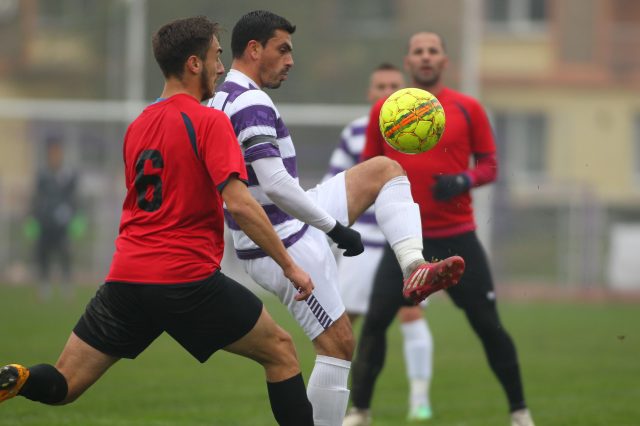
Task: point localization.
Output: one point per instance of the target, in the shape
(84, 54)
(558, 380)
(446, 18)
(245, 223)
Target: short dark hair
(259, 25)
(174, 42)
(386, 66)
(442, 42)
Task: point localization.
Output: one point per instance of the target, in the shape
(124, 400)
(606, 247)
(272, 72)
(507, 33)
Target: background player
(440, 182)
(356, 273)
(53, 207)
(181, 160)
(262, 57)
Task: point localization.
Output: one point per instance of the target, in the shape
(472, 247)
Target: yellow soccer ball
(412, 120)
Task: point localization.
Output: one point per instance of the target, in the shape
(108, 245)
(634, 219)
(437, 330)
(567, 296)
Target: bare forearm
(256, 225)
(254, 222)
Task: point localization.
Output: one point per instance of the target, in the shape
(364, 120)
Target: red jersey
(467, 132)
(178, 154)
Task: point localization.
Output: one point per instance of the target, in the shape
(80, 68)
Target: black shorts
(122, 319)
(475, 286)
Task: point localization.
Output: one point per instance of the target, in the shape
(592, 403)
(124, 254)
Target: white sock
(398, 217)
(418, 355)
(327, 390)
(409, 254)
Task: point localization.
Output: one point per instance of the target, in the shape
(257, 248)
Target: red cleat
(428, 278)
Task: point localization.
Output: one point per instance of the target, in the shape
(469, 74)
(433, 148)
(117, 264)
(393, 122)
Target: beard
(272, 85)
(205, 86)
(271, 78)
(427, 81)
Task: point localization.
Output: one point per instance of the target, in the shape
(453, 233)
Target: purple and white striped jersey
(255, 117)
(346, 155)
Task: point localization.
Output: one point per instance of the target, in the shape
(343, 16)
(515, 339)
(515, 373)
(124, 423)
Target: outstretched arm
(288, 195)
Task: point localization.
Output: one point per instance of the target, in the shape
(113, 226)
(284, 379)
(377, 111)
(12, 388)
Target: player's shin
(418, 354)
(328, 391)
(399, 219)
(289, 402)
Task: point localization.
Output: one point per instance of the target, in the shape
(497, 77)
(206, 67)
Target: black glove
(347, 239)
(448, 186)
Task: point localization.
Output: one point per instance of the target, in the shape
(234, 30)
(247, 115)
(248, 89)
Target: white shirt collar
(237, 76)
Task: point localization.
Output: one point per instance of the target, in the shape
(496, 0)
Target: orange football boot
(12, 378)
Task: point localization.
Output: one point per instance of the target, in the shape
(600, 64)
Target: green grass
(580, 363)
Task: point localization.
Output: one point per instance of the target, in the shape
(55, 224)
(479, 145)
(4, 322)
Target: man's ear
(254, 49)
(193, 65)
(445, 64)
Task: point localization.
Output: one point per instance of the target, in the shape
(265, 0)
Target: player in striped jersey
(356, 274)
(261, 48)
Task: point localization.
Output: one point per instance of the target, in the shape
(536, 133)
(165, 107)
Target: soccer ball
(412, 120)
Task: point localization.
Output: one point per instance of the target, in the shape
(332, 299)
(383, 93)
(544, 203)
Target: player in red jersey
(440, 183)
(182, 160)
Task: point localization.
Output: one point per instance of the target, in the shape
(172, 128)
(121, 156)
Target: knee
(386, 168)
(277, 355)
(484, 319)
(283, 351)
(337, 341)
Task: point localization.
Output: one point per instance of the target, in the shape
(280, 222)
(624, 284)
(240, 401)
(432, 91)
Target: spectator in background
(53, 209)
(356, 274)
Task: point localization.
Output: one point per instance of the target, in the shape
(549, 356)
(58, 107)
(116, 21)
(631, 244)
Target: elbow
(270, 191)
(238, 208)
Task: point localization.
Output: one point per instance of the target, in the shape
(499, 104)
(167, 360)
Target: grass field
(581, 366)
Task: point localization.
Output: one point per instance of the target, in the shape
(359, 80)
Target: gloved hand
(448, 186)
(346, 239)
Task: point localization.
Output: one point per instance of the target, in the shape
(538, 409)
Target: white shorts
(356, 275)
(313, 254)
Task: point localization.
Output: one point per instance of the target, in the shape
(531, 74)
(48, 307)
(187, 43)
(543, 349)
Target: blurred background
(559, 78)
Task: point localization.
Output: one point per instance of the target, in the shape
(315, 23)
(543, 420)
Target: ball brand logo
(411, 116)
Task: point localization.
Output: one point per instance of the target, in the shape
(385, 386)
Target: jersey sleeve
(482, 140)
(253, 115)
(255, 121)
(374, 144)
(221, 152)
(483, 147)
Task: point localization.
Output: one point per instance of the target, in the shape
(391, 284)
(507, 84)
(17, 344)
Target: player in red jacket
(441, 180)
(182, 160)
